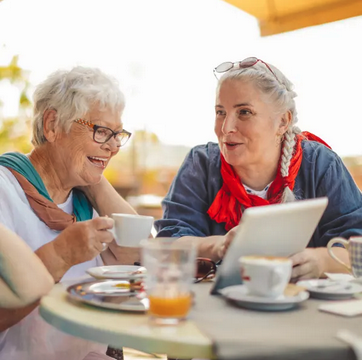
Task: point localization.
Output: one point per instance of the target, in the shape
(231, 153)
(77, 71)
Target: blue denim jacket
(322, 173)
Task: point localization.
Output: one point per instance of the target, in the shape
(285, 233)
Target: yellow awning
(278, 16)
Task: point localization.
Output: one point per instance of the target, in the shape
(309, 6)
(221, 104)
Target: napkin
(353, 340)
(344, 308)
(339, 277)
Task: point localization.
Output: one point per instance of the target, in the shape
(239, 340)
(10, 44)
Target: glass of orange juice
(170, 272)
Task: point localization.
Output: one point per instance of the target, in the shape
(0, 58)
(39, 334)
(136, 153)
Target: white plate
(330, 289)
(119, 272)
(109, 294)
(239, 295)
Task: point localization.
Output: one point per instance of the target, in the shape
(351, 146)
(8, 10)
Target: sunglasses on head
(205, 269)
(243, 64)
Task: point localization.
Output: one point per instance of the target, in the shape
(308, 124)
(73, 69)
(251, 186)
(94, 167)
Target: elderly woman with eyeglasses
(261, 158)
(51, 198)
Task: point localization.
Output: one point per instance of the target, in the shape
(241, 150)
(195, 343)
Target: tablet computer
(277, 230)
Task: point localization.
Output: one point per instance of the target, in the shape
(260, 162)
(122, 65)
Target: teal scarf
(81, 206)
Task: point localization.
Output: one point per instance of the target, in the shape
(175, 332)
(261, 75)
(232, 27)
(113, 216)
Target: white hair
(71, 94)
(279, 91)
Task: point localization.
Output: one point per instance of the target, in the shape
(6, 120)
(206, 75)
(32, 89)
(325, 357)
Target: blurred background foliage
(15, 132)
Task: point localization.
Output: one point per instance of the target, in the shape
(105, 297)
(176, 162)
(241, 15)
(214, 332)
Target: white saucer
(118, 272)
(327, 289)
(109, 294)
(239, 295)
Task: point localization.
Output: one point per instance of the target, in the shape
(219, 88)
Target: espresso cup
(354, 247)
(129, 229)
(265, 276)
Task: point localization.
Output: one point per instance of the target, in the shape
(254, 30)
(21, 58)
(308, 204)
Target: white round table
(121, 329)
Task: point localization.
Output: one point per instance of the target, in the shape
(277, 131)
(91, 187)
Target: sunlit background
(163, 52)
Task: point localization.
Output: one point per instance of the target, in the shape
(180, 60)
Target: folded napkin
(353, 340)
(339, 277)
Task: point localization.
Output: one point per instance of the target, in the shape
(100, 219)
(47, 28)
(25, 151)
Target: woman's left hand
(307, 264)
(226, 241)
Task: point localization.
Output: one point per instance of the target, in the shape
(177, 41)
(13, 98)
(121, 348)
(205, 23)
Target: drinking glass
(170, 272)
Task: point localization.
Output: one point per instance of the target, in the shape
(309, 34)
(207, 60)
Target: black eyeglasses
(243, 64)
(102, 134)
(205, 269)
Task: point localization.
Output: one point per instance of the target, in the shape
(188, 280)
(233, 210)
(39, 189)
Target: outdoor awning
(278, 16)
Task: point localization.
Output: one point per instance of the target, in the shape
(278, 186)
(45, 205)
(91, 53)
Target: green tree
(15, 132)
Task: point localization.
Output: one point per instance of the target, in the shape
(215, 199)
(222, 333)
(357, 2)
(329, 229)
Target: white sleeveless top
(32, 338)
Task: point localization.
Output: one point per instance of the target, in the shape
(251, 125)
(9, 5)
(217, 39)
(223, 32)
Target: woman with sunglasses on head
(52, 197)
(261, 158)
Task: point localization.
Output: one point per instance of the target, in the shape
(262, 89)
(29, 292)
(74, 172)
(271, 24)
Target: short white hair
(278, 90)
(71, 93)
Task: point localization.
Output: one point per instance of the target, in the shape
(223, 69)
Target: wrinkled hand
(83, 241)
(226, 241)
(307, 264)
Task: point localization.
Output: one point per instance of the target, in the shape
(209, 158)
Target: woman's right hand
(83, 241)
(226, 241)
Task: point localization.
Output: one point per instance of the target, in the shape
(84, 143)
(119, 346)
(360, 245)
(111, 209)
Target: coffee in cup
(130, 229)
(354, 247)
(265, 276)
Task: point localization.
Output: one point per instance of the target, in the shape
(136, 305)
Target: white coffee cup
(129, 229)
(265, 276)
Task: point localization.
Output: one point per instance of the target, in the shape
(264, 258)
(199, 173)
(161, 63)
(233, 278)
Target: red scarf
(227, 205)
